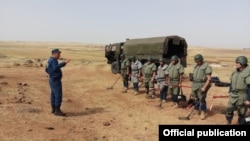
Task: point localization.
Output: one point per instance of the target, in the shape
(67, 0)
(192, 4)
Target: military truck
(142, 48)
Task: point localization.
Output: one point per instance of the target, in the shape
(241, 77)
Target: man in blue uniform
(53, 68)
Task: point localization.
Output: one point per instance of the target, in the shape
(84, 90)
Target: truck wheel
(115, 67)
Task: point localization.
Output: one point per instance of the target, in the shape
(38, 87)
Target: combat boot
(229, 122)
(124, 90)
(148, 96)
(136, 93)
(53, 109)
(176, 105)
(196, 112)
(152, 96)
(203, 115)
(58, 112)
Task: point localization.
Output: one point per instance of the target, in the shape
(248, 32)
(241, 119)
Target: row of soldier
(169, 76)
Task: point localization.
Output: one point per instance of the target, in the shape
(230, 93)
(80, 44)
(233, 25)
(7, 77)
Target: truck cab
(112, 54)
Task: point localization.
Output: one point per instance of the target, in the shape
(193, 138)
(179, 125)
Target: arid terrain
(94, 112)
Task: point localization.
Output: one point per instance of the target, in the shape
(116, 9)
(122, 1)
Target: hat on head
(150, 59)
(198, 57)
(55, 51)
(174, 58)
(133, 58)
(242, 60)
(162, 60)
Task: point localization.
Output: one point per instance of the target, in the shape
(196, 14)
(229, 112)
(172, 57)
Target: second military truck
(142, 48)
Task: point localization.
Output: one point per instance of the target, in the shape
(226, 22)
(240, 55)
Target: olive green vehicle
(142, 48)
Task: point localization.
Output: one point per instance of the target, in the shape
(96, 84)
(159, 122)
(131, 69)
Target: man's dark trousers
(56, 92)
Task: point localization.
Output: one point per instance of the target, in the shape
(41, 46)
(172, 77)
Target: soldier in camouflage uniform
(201, 83)
(136, 67)
(125, 70)
(149, 73)
(161, 79)
(239, 90)
(174, 76)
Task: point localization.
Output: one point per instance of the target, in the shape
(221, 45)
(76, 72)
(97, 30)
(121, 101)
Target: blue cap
(55, 51)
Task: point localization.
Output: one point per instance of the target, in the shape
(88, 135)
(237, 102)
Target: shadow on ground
(87, 111)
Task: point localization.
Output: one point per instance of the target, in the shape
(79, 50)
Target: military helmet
(242, 60)
(174, 58)
(150, 59)
(198, 57)
(133, 58)
(162, 60)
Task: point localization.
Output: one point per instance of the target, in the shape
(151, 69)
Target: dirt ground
(94, 112)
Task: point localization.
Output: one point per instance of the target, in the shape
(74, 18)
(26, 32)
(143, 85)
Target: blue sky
(208, 23)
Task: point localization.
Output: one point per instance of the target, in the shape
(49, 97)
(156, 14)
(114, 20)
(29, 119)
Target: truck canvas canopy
(157, 47)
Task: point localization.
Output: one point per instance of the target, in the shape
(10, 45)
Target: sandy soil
(94, 112)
